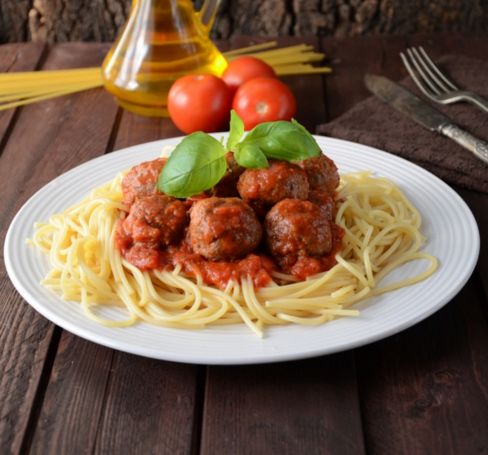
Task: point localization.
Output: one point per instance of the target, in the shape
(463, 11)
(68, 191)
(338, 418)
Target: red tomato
(199, 103)
(243, 69)
(264, 100)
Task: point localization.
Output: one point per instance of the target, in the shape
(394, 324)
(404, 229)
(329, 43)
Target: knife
(424, 114)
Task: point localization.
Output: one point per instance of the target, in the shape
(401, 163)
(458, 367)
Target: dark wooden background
(99, 20)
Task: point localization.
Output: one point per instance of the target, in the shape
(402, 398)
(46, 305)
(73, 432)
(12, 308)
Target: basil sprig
(198, 161)
(281, 140)
(196, 164)
(236, 130)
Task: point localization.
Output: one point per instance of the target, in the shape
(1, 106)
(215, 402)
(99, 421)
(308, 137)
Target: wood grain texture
(425, 390)
(13, 20)
(24, 336)
(134, 129)
(478, 204)
(68, 20)
(149, 407)
(47, 139)
(293, 408)
(73, 402)
(55, 135)
(16, 57)
(89, 20)
(350, 60)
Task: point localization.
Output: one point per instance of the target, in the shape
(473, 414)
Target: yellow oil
(161, 41)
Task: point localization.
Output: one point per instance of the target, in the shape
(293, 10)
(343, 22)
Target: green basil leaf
(196, 164)
(236, 130)
(283, 140)
(250, 156)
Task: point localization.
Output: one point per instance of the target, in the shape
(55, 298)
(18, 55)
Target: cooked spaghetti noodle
(381, 233)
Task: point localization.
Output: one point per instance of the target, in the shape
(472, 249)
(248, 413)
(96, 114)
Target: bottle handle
(208, 12)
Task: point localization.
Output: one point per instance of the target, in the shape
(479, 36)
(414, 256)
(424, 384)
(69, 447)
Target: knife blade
(424, 114)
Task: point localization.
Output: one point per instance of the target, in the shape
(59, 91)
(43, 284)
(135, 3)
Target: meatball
(227, 187)
(321, 173)
(281, 180)
(141, 180)
(155, 221)
(296, 229)
(325, 201)
(223, 228)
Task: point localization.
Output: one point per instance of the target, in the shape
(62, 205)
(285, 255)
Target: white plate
(447, 222)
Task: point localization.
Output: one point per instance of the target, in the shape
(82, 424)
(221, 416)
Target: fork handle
(478, 102)
(478, 147)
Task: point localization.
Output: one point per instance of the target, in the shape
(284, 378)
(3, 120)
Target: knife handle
(478, 147)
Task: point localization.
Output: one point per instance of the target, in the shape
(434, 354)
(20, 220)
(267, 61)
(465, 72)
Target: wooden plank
(441, 44)
(350, 60)
(25, 339)
(47, 139)
(303, 407)
(134, 129)
(14, 416)
(478, 202)
(290, 408)
(73, 398)
(149, 407)
(16, 57)
(424, 391)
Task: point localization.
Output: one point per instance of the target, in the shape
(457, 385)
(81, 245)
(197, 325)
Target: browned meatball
(227, 187)
(325, 201)
(281, 180)
(141, 180)
(321, 173)
(296, 229)
(155, 221)
(223, 228)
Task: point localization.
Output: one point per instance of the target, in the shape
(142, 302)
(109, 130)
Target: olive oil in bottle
(161, 41)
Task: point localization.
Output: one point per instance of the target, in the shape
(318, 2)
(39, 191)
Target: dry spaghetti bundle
(17, 89)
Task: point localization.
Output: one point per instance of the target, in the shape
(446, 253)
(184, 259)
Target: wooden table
(423, 391)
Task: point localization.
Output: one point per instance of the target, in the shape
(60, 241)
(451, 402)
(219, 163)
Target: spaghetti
(382, 232)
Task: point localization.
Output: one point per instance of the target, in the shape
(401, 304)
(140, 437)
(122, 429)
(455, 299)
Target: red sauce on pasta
(258, 266)
(280, 224)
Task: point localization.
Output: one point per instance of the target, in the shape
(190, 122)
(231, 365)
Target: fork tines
(433, 84)
(426, 74)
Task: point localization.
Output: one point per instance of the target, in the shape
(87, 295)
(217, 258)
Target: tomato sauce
(218, 273)
(257, 266)
(308, 266)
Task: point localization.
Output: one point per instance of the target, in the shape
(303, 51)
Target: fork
(433, 84)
